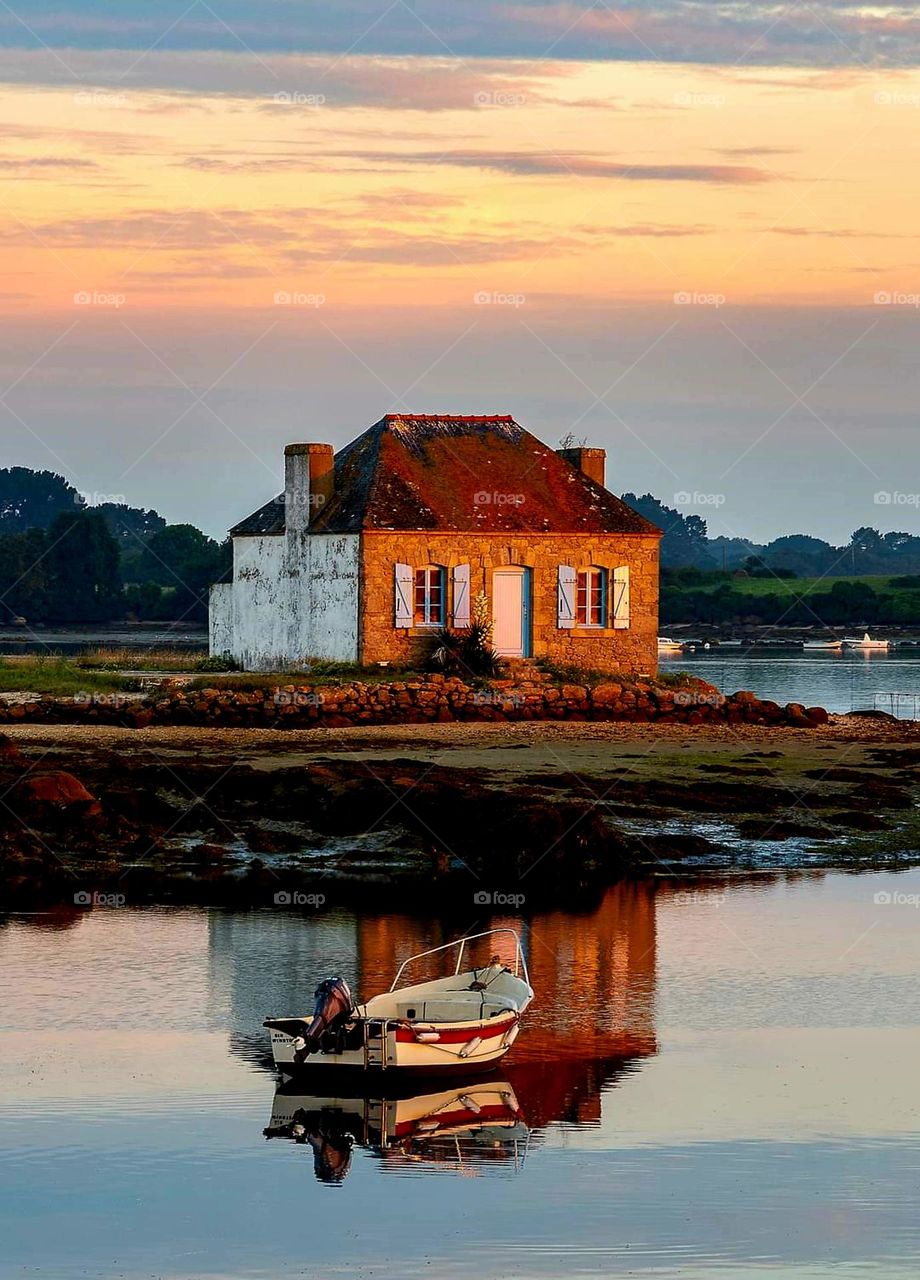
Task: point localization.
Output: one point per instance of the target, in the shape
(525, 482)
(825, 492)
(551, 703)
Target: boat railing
(520, 964)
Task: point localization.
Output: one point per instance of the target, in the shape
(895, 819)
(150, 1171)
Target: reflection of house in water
(593, 974)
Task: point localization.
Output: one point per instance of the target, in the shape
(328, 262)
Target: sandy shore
(514, 747)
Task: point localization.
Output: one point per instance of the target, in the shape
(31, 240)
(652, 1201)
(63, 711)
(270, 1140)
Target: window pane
(581, 598)
(596, 597)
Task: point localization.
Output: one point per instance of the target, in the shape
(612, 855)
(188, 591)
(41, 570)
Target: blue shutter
(565, 597)
(621, 597)
(461, 595)
(404, 580)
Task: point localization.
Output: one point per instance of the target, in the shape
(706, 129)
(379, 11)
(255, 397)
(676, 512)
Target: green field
(796, 587)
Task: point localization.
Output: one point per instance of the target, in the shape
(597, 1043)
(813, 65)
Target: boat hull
(389, 1048)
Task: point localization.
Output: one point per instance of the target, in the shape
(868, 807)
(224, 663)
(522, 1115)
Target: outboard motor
(333, 1007)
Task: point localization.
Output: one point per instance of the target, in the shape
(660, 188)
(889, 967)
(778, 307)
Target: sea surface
(839, 682)
(715, 1081)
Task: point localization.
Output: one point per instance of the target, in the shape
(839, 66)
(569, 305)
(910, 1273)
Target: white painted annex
(294, 594)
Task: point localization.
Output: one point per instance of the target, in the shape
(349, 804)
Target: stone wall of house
(633, 650)
(418, 701)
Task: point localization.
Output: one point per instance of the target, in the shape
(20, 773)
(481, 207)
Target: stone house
(368, 552)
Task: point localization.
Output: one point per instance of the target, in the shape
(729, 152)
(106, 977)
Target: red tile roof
(457, 472)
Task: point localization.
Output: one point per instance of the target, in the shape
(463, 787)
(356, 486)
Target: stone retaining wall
(420, 701)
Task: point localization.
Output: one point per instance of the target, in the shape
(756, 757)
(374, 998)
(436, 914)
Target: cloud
(263, 243)
(536, 164)
(245, 38)
(753, 152)
(843, 233)
(652, 230)
(522, 164)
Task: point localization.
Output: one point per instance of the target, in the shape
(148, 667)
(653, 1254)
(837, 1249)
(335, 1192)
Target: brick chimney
(591, 462)
(308, 482)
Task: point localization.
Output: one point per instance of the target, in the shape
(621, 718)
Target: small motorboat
(866, 643)
(667, 645)
(462, 1023)
(466, 1125)
(823, 646)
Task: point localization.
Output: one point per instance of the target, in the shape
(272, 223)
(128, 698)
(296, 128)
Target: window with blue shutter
(403, 580)
(565, 597)
(429, 596)
(591, 597)
(621, 597)
(461, 595)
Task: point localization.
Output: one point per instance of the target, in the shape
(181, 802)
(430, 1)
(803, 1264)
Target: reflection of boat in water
(866, 644)
(462, 1023)
(476, 1124)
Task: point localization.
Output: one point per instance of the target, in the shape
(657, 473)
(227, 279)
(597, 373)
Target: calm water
(840, 682)
(713, 1082)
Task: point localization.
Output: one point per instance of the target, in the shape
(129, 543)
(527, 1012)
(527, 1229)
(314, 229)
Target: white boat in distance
(866, 643)
(462, 1023)
(667, 645)
(823, 646)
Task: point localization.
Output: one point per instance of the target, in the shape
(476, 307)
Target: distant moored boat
(866, 643)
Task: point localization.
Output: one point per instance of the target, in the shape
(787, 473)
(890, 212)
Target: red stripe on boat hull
(456, 1035)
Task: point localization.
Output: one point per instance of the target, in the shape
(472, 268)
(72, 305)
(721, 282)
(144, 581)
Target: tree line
(686, 544)
(713, 599)
(64, 561)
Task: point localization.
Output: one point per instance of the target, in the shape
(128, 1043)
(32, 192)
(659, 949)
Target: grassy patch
(319, 673)
(117, 659)
(56, 675)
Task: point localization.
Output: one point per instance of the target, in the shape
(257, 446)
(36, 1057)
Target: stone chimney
(308, 481)
(591, 462)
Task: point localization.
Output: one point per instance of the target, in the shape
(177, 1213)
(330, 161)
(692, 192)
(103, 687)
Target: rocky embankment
(435, 698)
(441, 812)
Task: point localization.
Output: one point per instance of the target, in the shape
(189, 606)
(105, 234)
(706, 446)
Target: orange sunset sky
(683, 232)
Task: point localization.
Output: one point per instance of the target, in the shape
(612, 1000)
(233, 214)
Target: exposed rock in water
(53, 794)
